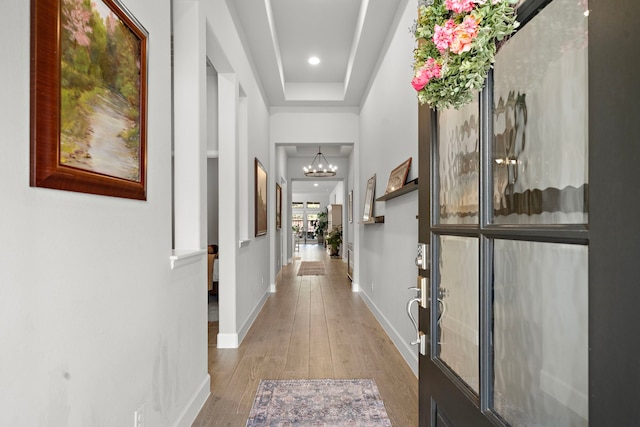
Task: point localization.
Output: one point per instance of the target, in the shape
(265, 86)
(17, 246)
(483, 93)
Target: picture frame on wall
(260, 199)
(350, 207)
(88, 115)
(367, 214)
(278, 206)
(398, 176)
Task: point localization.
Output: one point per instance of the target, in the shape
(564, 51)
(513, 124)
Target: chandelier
(320, 169)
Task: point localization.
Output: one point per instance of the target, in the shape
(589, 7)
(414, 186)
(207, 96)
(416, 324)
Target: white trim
(355, 287)
(409, 353)
(272, 288)
(227, 341)
(243, 243)
(182, 257)
(195, 404)
(212, 154)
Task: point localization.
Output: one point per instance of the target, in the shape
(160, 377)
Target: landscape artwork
(260, 199)
(88, 98)
(100, 90)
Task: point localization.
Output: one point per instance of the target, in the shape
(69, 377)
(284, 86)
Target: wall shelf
(407, 188)
(375, 220)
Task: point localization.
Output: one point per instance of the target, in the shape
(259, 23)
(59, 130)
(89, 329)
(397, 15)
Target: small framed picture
(278, 206)
(398, 176)
(260, 199)
(367, 214)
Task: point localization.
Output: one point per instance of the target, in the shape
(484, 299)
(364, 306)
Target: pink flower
(443, 36)
(463, 35)
(420, 80)
(470, 26)
(460, 6)
(430, 70)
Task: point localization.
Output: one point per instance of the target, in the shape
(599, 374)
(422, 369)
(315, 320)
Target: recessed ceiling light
(315, 185)
(314, 60)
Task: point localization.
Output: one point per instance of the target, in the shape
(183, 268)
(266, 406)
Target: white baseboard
(195, 404)
(227, 341)
(272, 288)
(409, 353)
(355, 287)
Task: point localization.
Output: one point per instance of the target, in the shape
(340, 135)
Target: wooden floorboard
(312, 327)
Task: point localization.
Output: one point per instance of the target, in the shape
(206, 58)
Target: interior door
(504, 211)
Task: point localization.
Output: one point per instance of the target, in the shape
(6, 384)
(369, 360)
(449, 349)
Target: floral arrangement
(456, 46)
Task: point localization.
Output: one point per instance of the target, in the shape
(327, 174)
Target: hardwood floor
(312, 327)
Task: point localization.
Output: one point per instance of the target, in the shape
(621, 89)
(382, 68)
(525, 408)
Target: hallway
(312, 327)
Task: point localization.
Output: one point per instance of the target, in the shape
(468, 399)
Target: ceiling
(346, 35)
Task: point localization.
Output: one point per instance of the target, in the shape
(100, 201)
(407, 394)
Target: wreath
(456, 46)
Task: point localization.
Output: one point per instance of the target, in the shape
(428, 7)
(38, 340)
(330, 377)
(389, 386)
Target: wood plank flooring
(312, 327)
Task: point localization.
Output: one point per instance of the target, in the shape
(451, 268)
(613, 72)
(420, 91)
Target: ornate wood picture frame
(398, 176)
(278, 206)
(260, 199)
(369, 195)
(88, 98)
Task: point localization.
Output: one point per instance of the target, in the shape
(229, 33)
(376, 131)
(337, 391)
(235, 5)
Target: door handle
(413, 319)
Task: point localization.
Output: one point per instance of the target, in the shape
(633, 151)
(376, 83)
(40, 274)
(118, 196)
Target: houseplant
(334, 240)
(321, 226)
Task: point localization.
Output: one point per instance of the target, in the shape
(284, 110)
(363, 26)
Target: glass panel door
(540, 120)
(509, 214)
(540, 333)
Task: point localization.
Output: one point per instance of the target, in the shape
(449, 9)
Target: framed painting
(260, 199)
(88, 115)
(278, 206)
(350, 207)
(367, 214)
(398, 176)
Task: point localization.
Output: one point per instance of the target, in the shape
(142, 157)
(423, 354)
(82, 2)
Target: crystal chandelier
(320, 167)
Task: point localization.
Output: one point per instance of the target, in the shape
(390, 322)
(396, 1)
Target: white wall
(314, 125)
(93, 322)
(243, 120)
(212, 201)
(388, 136)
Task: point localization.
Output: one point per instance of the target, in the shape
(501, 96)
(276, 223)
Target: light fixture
(320, 169)
(314, 60)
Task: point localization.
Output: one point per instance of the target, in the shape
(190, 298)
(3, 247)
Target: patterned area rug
(318, 403)
(311, 268)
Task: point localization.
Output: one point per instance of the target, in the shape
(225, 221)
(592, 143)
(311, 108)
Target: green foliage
(96, 55)
(322, 223)
(334, 238)
(462, 74)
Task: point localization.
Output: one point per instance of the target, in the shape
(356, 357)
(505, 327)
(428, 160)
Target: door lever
(413, 319)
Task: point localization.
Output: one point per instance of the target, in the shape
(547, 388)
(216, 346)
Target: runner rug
(318, 403)
(311, 268)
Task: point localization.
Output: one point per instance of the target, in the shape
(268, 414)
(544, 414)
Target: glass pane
(540, 333)
(313, 205)
(458, 164)
(458, 302)
(297, 205)
(540, 120)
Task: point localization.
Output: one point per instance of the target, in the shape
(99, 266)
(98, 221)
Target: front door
(513, 333)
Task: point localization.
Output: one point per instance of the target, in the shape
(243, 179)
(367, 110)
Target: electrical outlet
(138, 417)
